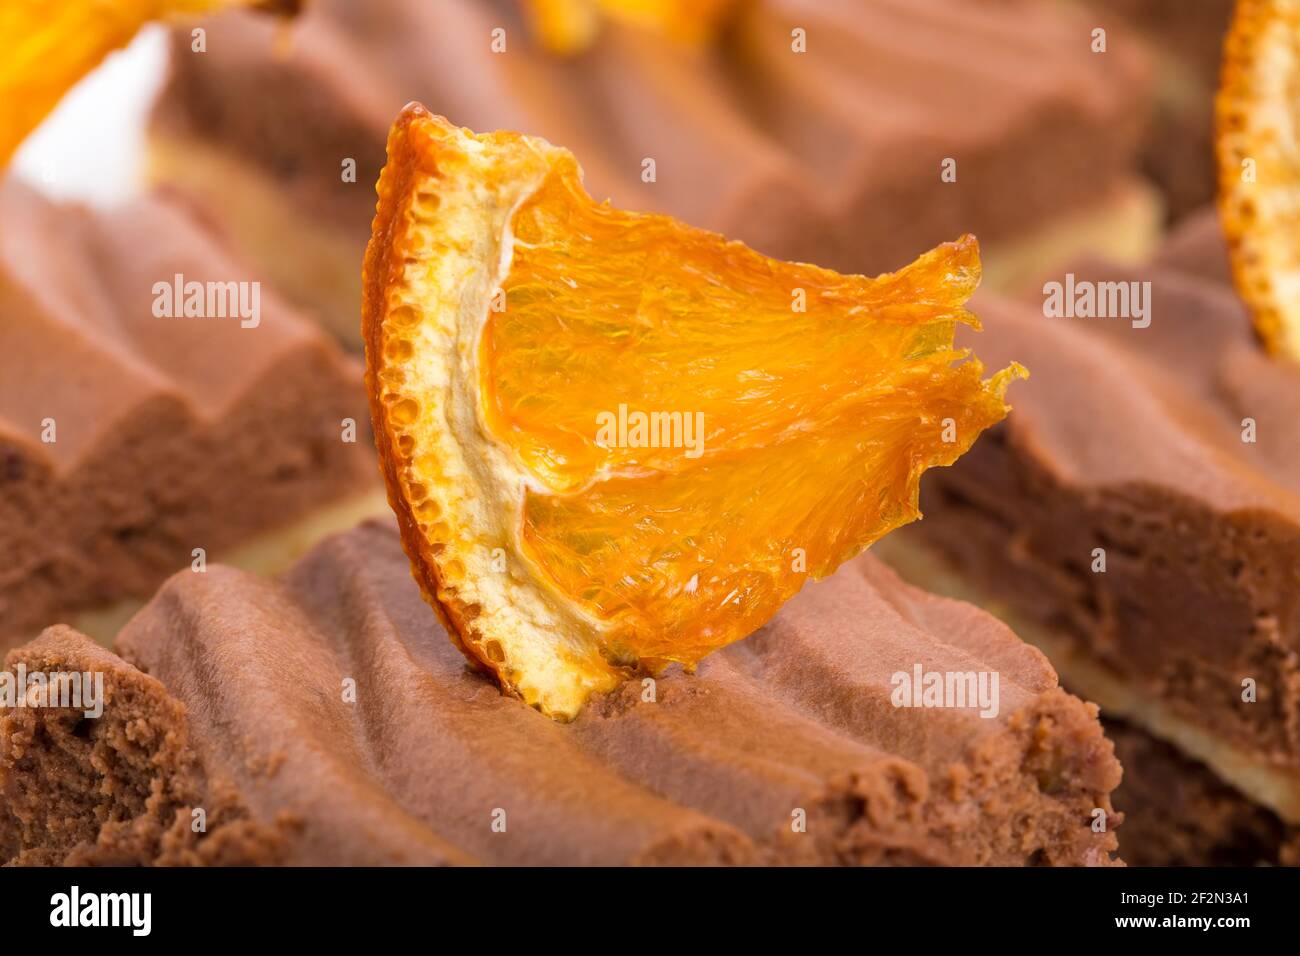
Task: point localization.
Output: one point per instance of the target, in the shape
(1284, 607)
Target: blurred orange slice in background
(1258, 111)
(615, 441)
(570, 26)
(46, 46)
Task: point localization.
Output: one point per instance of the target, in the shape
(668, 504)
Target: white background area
(91, 146)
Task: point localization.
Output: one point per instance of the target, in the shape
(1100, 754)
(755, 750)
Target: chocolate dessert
(321, 718)
(1138, 518)
(137, 424)
(834, 153)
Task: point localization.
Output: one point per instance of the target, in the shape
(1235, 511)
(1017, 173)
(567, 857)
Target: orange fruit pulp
(616, 441)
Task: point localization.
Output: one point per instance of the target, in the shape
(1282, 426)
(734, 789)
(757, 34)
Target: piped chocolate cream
(323, 718)
(1138, 516)
(138, 424)
(891, 126)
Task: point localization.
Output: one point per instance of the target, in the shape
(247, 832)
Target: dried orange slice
(569, 26)
(614, 440)
(47, 45)
(1258, 111)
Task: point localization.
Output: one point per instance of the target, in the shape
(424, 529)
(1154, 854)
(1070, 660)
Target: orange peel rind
(46, 46)
(515, 329)
(1258, 145)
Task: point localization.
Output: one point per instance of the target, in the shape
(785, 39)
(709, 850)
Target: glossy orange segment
(789, 412)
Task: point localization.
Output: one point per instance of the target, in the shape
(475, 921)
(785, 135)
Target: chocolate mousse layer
(1138, 515)
(816, 131)
(133, 433)
(324, 718)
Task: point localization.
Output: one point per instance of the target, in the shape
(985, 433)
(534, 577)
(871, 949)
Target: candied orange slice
(569, 26)
(1258, 111)
(613, 440)
(47, 45)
